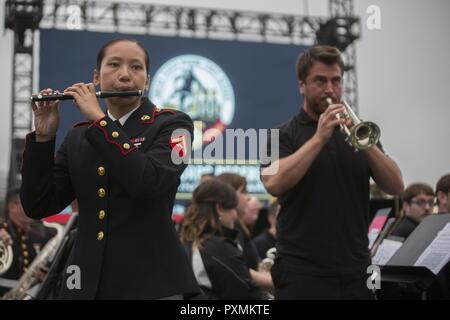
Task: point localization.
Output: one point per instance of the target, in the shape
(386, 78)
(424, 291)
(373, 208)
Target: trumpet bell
(6, 257)
(364, 135)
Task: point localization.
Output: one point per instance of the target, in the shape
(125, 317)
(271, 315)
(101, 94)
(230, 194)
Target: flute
(99, 94)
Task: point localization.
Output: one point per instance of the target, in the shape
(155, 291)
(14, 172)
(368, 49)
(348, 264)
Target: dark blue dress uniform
(125, 183)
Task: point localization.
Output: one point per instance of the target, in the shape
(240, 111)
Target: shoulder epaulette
(156, 112)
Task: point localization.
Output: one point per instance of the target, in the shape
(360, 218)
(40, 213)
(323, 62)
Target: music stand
(401, 279)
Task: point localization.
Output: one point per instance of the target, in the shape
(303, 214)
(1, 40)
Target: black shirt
(405, 228)
(264, 242)
(249, 250)
(323, 221)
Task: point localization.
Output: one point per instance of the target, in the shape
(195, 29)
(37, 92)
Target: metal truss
(21, 115)
(344, 8)
(179, 21)
(23, 17)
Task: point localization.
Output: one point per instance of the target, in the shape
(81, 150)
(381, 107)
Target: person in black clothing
(268, 238)
(417, 204)
(251, 256)
(443, 194)
(211, 243)
(323, 188)
(27, 237)
(123, 166)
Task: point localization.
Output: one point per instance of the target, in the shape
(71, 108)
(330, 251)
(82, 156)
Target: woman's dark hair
(236, 181)
(101, 53)
(202, 219)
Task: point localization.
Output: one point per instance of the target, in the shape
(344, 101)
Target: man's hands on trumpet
(46, 113)
(328, 120)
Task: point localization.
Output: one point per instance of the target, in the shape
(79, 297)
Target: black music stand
(400, 279)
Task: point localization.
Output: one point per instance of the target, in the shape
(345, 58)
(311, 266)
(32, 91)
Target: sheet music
(385, 251)
(373, 235)
(437, 254)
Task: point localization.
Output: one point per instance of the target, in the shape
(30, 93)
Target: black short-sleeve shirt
(323, 221)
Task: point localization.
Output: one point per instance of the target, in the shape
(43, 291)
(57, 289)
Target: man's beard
(317, 106)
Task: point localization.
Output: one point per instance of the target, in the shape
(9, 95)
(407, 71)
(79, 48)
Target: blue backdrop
(262, 75)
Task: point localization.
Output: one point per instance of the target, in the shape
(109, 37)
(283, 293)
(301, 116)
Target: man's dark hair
(325, 54)
(414, 190)
(443, 184)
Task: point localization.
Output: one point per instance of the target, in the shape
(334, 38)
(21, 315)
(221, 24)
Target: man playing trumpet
(323, 190)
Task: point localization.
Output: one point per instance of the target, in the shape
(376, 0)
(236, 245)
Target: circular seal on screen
(199, 87)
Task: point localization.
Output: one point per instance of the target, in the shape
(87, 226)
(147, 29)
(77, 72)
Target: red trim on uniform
(105, 133)
(157, 113)
(81, 123)
(58, 218)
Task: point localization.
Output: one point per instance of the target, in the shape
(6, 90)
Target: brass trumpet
(361, 135)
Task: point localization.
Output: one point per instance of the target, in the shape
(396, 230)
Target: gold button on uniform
(25, 253)
(103, 123)
(126, 146)
(115, 134)
(100, 235)
(101, 214)
(25, 261)
(101, 171)
(145, 117)
(101, 192)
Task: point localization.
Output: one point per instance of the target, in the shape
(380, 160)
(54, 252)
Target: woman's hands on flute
(86, 100)
(46, 117)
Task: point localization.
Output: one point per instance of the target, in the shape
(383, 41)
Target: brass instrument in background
(362, 134)
(6, 257)
(31, 277)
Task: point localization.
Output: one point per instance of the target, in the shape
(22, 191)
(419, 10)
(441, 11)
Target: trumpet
(99, 94)
(361, 135)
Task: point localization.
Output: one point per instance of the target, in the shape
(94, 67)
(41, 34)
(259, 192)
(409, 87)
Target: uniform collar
(303, 118)
(137, 121)
(125, 117)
